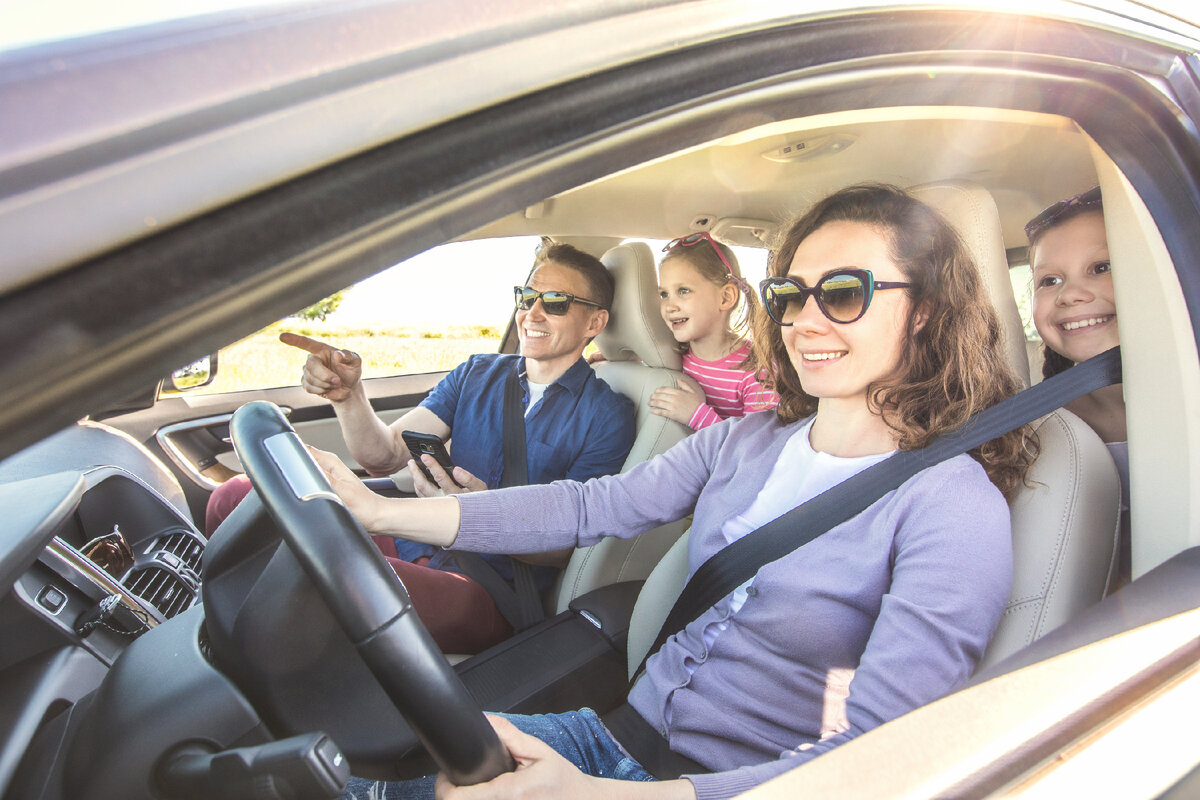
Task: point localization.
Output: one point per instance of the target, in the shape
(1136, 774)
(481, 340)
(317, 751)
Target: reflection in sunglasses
(843, 296)
(554, 303)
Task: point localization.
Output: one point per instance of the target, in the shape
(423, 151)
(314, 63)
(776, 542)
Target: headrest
(635, 328)
(973, 213)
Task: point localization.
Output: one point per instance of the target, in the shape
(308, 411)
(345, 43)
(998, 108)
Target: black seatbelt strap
(521, 603)
(646, 745)
(740, 561)
(516, 463)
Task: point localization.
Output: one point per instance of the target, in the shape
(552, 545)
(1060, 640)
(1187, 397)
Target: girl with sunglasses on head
(1075, 312)
(885, 612)
(700, 290)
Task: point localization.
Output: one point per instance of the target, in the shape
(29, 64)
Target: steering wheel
(365, 598)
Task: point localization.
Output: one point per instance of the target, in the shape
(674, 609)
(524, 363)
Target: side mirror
(200, 372)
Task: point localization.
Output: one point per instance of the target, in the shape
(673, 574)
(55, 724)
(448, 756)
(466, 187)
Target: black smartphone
(421, 443)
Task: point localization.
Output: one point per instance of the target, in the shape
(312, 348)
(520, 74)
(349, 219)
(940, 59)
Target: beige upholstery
(1064, 533)
(654, 603)
(635, 330)
(641, 356)
(1064, 524)
(973, 213)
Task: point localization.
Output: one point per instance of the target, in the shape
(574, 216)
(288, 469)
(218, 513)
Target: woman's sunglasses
(555, 303)
(1054, 212)
(843, 295)
(697, 238)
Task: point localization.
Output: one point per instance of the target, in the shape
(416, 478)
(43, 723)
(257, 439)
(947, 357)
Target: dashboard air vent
(182, 544)
(162, 589)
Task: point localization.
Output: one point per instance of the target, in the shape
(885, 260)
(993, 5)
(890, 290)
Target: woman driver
(881, 337)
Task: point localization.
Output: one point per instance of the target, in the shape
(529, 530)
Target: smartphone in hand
(420, 443)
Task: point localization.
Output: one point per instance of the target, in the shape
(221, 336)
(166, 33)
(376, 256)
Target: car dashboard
(97, 550)
(111, 536)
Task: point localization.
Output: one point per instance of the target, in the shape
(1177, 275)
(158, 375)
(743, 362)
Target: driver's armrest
(574, 659)
(388, 487)
(609, 608)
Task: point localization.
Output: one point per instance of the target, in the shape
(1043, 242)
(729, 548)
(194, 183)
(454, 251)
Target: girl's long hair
(949, 369)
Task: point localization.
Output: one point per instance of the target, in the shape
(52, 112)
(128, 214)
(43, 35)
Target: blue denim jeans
(578, 736)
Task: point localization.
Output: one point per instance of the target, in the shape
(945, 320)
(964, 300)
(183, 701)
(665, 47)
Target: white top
(536, 390)
(800, 474)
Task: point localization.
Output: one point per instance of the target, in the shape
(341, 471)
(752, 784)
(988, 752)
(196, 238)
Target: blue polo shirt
(580, 429)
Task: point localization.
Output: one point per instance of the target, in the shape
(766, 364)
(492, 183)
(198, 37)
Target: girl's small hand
(541, 773)
(678, 404)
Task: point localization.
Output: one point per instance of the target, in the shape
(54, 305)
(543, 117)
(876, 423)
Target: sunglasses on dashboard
(555, 303)
(110, 552)
(1055, 211)
(842, 295)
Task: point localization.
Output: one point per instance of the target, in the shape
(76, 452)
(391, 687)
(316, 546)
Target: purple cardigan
(884, 613)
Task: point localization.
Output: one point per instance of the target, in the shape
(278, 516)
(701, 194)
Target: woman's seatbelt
(738, 562)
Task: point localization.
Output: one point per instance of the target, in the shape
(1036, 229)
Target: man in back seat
(576, 427)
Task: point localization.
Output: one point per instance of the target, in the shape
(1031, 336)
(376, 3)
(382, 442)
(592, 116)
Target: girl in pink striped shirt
(700, 290)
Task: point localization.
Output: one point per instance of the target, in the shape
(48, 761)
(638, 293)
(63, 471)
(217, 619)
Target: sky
(486, 270)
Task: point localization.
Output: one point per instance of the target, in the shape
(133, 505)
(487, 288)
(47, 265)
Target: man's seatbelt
(521, 603)
(740, 561)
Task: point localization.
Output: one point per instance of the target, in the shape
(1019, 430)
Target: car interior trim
(166, 440)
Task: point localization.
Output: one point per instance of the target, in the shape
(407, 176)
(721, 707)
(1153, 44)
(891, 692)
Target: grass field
(262, 361)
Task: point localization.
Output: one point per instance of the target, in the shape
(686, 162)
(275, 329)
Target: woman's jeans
(579, 736)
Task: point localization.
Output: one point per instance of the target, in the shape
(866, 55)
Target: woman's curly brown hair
(951, 367)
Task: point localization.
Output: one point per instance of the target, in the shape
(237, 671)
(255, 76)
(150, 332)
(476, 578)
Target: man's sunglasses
(843, 295)
(697, 238)
(1054, 212)
(555, 303)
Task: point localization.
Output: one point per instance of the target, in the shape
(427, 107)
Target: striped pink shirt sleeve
(729, 390)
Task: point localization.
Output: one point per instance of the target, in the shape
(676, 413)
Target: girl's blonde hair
(951, 367)
(703, 257)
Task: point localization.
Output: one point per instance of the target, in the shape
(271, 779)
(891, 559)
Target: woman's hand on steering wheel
(362, 502)
(541, 773)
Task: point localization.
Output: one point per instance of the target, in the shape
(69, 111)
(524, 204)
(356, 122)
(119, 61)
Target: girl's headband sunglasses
(702, 236)
(1054, 212)
(555, 303)
(697, 238)
(843, 295)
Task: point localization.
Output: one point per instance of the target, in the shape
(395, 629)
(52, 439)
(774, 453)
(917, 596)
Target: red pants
(458, 612)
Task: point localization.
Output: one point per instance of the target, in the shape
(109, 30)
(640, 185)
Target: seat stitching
(1055, 568)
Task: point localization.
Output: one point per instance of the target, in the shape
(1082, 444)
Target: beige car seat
(641, 355)
(1064, 522)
